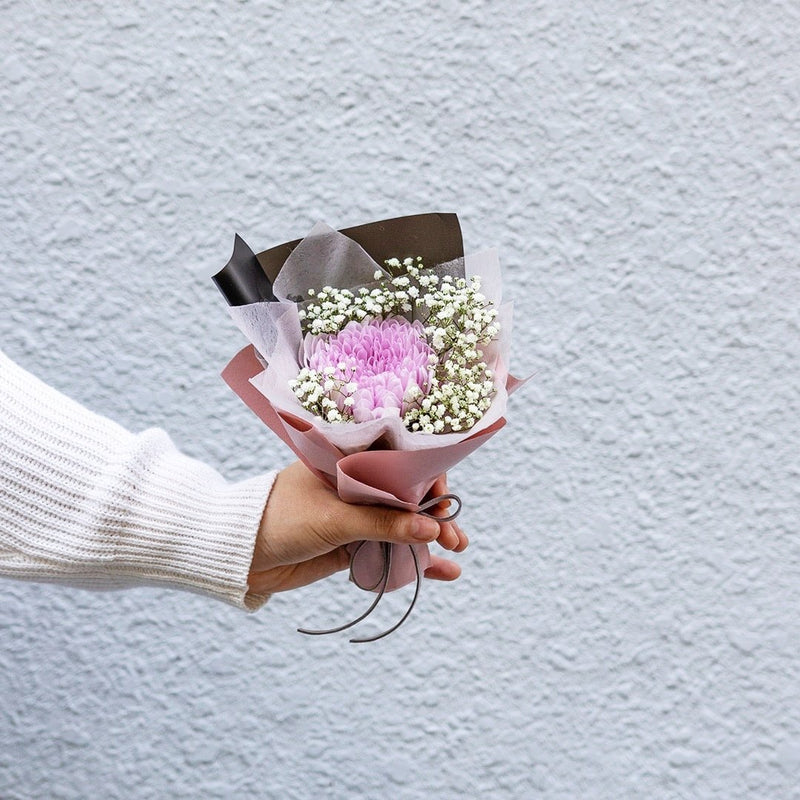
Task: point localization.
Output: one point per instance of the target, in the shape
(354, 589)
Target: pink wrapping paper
(396, 478)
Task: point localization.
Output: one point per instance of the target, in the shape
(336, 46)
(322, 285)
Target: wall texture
(627, 623)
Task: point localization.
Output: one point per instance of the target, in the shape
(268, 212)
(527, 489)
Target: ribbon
(386, 552)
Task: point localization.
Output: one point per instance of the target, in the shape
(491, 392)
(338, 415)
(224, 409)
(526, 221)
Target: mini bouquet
(380, 357)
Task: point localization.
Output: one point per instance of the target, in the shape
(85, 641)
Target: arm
(86, 503)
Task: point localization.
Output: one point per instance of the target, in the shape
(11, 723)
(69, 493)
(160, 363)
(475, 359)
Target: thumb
(352, 523)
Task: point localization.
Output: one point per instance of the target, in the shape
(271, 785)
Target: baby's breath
(458, 322)
(317, 392)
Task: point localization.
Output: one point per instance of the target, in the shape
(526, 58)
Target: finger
(448, 536)
(452, 537)
(442, 569)
(463, 540)
(439, 487)
(444, 507)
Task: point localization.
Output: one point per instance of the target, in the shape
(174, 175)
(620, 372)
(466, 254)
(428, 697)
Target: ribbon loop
(434, 501)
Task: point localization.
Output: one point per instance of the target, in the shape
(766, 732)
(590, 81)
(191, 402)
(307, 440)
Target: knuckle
(328, 527)
(392, 525)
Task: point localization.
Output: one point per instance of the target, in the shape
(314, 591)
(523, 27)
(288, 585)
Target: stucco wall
(627, 622)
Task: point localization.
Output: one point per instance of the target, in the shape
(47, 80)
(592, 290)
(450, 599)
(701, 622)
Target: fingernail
(425, 529)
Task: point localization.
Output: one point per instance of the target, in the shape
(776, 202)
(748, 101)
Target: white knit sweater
(85, 502)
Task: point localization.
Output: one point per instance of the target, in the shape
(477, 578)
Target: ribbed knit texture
(86, 503)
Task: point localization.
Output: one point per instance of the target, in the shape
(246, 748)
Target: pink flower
(379, 366)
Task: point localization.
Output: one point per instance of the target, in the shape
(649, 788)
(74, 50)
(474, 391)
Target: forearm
(84, 502)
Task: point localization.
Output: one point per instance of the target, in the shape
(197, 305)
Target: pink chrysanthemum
(379, 366)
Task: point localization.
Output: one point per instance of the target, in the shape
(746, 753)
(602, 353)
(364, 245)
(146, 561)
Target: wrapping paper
(374, 462)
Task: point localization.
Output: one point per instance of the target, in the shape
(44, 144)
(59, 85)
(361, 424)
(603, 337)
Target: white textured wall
(627, 624)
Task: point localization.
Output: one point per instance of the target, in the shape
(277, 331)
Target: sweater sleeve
(86, 503)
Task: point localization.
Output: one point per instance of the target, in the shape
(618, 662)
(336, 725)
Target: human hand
(305, 529)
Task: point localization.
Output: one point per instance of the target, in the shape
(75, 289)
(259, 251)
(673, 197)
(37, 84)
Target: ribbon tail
(387, 562)
(408, 610)
(383, 580)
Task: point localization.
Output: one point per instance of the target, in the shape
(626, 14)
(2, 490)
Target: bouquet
(379, 355)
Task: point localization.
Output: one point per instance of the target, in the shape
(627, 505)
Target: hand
(306, 526)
